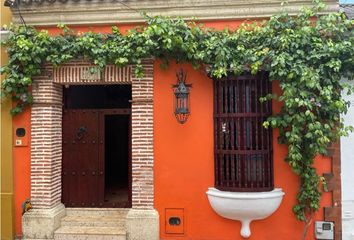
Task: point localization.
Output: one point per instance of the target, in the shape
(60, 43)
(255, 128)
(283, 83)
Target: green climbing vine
(308, 54)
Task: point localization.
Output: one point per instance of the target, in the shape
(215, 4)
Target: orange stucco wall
(184, 162)
(22, 168)
(184, 167)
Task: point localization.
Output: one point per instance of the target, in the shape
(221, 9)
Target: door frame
(46, 129)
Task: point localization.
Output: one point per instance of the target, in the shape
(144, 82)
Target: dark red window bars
(243, 147)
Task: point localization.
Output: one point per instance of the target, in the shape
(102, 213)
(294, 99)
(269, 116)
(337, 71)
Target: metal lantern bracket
(181, 93)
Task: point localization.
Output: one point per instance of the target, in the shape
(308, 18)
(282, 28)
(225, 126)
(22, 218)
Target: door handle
(83, 173)
(93, 173)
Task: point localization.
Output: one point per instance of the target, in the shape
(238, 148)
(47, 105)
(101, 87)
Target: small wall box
(174, 220)
(324, 230)
(20, 137)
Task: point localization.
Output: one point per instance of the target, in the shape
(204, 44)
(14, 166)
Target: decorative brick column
(142, 140)
(142, 219)
(46, 155)
(46, 143)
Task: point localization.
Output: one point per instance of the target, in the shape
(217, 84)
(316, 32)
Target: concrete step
(120, 212)
(94, 221)
(89, 233)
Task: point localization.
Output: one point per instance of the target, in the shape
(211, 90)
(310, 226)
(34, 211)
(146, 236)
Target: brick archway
(46, 138)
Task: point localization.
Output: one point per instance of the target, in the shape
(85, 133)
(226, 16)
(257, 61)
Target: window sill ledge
(245, 207)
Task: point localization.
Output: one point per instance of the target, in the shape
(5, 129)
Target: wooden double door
(85, 157)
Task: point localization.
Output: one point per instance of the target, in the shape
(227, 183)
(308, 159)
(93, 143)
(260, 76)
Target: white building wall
(347, 158)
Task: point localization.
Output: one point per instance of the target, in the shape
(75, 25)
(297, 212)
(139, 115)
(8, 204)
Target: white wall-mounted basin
(245, 206)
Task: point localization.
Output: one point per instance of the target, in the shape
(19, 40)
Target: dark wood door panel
(80, 157)
(83, 162)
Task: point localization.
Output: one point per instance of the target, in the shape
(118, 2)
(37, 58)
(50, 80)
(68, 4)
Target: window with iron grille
(243, 147)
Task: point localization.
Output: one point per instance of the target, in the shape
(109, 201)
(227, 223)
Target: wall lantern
(181, 101)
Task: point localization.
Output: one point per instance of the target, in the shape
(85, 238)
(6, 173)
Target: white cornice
(112, 12)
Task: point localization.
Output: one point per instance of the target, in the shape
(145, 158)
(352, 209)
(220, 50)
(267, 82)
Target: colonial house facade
(103, 157)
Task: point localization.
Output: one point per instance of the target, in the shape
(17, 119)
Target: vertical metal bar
(257, 124)
(250, 132)
(233, 170)
(232, 131)
(244, 134)
(269, 135)
(247, 119)
(265, 136)
(225, 96)
(268, 140)
(238, 132)
(216, 130)
(266, 87)
(219, 133)
(262, 163)
(227, 168)
(228, 132)
(238, 176)
(232, 119)
(221, 170)
(244, 112)
(249, 179)
(258, 179)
